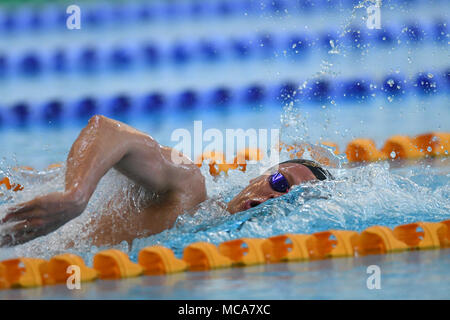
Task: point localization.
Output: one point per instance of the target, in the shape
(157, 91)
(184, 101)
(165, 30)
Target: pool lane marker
(203, 256)
(58, 266)
(23, 273)
(379, 240)
(244, 251)
(115, 264)
(422, 235)
(332, 244)
(286, 247)
(432, 144)
(7, 183)
(362, 149)
(160, 260)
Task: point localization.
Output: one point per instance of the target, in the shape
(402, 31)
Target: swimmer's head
(276, 182)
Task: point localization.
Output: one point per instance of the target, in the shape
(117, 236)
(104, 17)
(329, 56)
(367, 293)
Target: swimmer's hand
(38, 217)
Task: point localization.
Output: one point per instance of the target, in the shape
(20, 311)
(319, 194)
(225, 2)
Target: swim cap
(319, 172)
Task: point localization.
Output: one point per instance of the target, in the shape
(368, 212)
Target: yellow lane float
(332, 244)
(245, 251)
(115, 264)
(422, 235)
(23, 168)
(287, 247)
(433, 144)
(58, 268)
(204, 256)
(23, 273)
(363, 150)
(7, 183)
(160, 260)
(216, 162)
(3, 283)
(401, 147)
(295, 150)
(379, 240)
(445, 241)
(54, 166)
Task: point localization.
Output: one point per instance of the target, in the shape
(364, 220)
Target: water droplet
(393, 154)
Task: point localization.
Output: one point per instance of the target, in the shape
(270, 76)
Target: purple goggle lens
(279, 183)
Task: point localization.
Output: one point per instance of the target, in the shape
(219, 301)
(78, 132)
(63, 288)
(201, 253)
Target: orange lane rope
(158, 260)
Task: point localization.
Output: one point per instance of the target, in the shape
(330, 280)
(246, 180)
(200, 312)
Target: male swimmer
(172, 188)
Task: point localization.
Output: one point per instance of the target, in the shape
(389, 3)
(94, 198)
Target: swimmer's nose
(256, 202)
(251, 204)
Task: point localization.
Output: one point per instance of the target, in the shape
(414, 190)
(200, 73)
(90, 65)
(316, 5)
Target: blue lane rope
(95, 59)
(316, 91)
(98, 14)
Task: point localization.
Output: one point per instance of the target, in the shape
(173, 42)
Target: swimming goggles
(279, 183)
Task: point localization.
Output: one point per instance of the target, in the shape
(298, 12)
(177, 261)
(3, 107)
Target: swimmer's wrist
(76, 199)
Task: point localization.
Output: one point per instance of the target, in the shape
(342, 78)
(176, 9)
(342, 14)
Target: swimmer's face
(261, 189)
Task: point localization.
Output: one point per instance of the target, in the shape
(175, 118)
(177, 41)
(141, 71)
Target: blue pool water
(317, 75)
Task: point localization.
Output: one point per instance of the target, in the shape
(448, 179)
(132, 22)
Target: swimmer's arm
(104, 144)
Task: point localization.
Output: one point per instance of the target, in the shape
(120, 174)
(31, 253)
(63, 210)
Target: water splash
(358, 198)
(114, 189)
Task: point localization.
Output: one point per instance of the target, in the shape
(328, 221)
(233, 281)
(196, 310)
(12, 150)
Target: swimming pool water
(387, 193)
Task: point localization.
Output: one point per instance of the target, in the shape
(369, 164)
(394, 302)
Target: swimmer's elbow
(100, 121)
(97, 124)
(97, 119)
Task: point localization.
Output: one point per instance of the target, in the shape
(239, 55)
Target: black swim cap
(319, 172)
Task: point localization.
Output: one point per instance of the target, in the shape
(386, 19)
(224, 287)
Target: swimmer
(172, 189)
